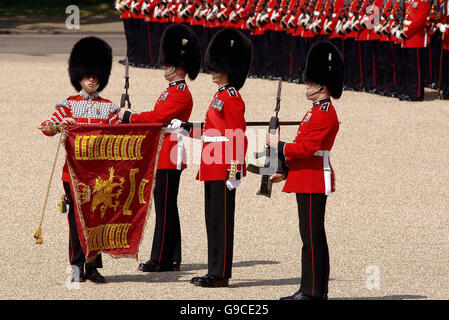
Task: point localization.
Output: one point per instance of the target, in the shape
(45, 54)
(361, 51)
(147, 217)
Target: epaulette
(232, 92)
(325, 106)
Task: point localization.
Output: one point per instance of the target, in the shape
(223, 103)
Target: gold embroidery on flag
(141, 189)
(132, 191)
(108, 236)
(103, 193)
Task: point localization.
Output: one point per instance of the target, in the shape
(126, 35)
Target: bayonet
(272, 163)
(125, 96)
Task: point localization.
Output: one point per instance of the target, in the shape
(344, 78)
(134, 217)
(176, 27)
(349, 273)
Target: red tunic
(85, 109)
(174, 103)
(415, 24)
(224, 118)
(317, 131)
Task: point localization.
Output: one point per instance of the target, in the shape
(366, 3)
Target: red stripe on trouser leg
(311, 245)
(70, 241)
(291, 64)
(149, 43)
(374, 68)
(430, 65)
(360, 65)
(225, 226)
(419, 73)
(165, 217)
(394, 65)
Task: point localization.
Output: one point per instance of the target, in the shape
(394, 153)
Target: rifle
(125, 96)
(401, 15)
(269, 167)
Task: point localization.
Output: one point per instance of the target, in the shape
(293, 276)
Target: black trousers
(352, 60)
(258, 56)
(433, 60)
(368, 64)
(76, 254)
(129, 26)
(386, 68)
(400, 66)
(155, 29)
(414, 66)
(166, 247)
(273, 48)
(219, 210)
(142, 46)
(299, 54)
(445, 75)
(315, 253)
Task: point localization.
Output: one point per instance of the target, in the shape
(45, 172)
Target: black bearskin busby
(230, 51)
(325, 66)
(180, 47)
(90, 56)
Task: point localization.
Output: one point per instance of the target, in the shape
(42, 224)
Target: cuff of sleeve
(281, 146)
(127, 117)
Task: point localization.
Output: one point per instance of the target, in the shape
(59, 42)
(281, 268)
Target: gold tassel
(38, 232)
(38, 235)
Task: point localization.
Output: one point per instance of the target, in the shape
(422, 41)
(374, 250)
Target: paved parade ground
(387, 223)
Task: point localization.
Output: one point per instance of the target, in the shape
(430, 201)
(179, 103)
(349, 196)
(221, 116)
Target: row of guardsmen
(394, 48)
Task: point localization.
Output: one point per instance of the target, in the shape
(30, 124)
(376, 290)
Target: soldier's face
(89, 83)
(313, 90)
(169, 72)
(219, 78)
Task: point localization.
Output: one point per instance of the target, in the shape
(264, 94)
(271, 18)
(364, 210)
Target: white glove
(443, 28)
(174, 124)
(232, 184)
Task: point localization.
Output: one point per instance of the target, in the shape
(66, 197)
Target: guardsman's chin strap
(317, 89)
(171, 71)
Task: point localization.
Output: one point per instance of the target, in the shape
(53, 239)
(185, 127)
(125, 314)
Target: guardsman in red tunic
(310, 174)
(222, 168)
(179, 56)
(89, 69)
(414, 33)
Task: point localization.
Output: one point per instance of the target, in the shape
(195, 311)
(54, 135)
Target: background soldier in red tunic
(179, 56)
(89, 69)
(310, 174)
(415, 35)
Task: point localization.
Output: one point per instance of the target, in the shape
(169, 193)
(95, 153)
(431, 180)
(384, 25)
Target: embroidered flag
(112, 171)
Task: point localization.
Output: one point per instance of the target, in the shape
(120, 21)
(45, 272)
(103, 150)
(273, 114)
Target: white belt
(180, 146)
(327, 170)
(207, 139)
(320, 153)
(180, 153)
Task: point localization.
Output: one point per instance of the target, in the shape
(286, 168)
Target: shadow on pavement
(173, 276)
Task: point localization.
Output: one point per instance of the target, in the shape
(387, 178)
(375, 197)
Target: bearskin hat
(180, 47)
(230, 51)
(325, 66)
(90, 56)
